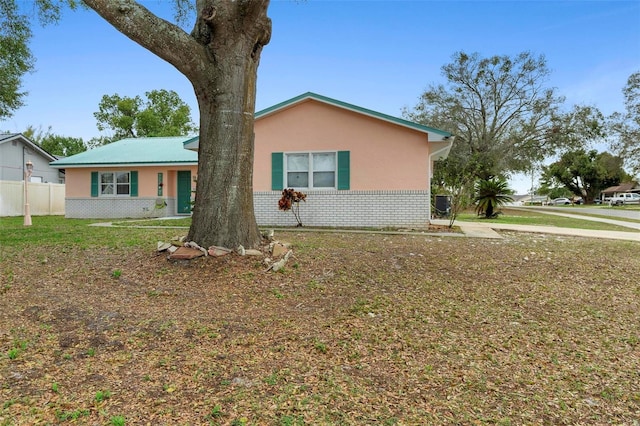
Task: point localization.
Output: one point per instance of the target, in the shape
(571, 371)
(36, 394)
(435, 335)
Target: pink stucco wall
(78, 180)
(384, 156)
(77, 183)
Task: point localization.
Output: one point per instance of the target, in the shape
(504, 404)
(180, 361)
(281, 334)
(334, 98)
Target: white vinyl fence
(44, 198)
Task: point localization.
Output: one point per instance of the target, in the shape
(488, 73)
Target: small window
(298, 170)
(115, 184)
(311, 170)
(324, 170)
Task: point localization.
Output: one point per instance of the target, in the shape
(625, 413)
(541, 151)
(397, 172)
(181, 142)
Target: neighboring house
(612, 191)
(145, 177)
(359, 168)
(16, 150)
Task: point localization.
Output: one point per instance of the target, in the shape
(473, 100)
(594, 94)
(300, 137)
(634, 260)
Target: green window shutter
(277, 171)
(134, 184)
(94, 184)
(344, 173)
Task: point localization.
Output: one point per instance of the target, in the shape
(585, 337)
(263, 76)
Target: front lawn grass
(59, 231)
(97, 328)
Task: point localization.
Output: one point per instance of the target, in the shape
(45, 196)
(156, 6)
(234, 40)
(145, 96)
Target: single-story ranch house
(616, 190)
(358, 168)
(145, 177)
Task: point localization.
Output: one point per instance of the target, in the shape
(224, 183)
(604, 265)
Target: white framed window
(115, 184)
(311, 170)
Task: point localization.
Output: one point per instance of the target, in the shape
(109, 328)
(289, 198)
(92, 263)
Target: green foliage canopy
(15, 57)
(585, 173)
(63, 145)
(498, 107)
(625, 126)
(163, 113)
(58, 145)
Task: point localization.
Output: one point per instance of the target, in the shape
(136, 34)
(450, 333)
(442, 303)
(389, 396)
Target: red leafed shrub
(291, 201)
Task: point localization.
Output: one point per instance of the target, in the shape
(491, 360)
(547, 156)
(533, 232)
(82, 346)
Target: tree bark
(223, 212)
(489, 213)
(220, 58)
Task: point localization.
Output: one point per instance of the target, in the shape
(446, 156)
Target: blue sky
(379, 55)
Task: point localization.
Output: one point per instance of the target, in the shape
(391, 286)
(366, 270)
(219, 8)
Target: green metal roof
(340, 104)
(139, 151)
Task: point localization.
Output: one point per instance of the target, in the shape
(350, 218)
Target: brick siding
(117, 208)
(348, 209)
(332, 208)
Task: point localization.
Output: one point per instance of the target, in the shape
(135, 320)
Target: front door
(184, 192)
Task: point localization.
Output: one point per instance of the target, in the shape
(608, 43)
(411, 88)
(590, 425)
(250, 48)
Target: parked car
(559, 202)
(625, 198)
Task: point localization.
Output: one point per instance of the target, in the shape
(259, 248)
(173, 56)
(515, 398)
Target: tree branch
(164, 39)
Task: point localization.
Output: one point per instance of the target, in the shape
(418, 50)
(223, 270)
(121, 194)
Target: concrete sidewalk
(482, 229)
(488, 229)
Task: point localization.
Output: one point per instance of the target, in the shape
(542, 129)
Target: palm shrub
(490, 195)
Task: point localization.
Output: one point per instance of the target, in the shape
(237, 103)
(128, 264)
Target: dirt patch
(356, 329)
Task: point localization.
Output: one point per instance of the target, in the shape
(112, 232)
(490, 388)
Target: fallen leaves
(366, 329)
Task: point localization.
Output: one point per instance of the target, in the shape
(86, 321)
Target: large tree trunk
(220, 57)
(223, 212)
